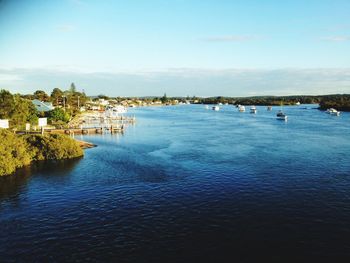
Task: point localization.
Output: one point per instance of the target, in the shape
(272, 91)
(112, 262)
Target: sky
(178, 47)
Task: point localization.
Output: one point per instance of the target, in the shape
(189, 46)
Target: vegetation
(19, 150)
(58, 115)
(41, 95)
(18, 110)
(164, 99)
(339, 102)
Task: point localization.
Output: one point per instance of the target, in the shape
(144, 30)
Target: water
(185, 184)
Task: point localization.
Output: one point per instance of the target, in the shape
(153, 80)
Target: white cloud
(337, 38)
(182, 81)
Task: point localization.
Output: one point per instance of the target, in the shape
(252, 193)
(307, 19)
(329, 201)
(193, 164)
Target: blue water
(188, 184)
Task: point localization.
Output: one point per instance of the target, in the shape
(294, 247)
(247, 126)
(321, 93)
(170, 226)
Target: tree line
(20, 110)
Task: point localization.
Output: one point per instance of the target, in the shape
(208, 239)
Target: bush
(53, 147)
(19, 150)
(13, 152)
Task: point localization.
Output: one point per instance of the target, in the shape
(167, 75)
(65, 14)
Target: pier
(88, 124)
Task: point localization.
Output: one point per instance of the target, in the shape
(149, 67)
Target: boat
(333, 111)
(298, 103)
(269, 108)
(216, 108)
(253, 109)
(241, 108)
(281, 116)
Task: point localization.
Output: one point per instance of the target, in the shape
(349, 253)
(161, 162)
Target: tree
(56, 96)
(18, 110)
(24, 111)
(58, 114)
(41, 95)
(164, 99)
(72, 88)
(7, 104)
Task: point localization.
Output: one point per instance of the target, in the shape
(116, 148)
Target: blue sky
(181, 47)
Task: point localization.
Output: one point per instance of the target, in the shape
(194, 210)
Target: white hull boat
(281, 116)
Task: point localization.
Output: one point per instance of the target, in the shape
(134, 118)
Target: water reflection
(12, 186)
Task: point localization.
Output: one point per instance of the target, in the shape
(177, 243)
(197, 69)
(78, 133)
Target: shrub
(13, 152)
(19, 150)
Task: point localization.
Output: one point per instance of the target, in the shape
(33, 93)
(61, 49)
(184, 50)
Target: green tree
(72, 88)
(56, 96)
(7, 104)
(16, 109)
(164, 99)
(58, 114)
(41, 95)
(23, 111)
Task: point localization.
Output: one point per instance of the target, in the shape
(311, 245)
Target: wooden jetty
(89, 125)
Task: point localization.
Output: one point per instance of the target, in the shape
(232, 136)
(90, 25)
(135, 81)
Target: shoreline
(85, 145)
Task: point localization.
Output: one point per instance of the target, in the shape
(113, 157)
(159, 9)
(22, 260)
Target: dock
(89, 124)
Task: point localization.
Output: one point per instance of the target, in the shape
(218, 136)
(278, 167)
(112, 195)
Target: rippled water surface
(185, 184)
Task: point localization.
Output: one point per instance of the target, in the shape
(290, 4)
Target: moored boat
(269, 108)
(241, 108)
(253, 109)
(333, 111)
(216, 108)
(281, 116)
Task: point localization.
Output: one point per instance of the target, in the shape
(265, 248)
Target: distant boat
(253, 109)
(281, 116)
(241, 108)
(216, 108)
(269, 108)
(220, 103)
(333, 111)
(298, 103)
(226, 103)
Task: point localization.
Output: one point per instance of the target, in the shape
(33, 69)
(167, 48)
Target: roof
(42, 106)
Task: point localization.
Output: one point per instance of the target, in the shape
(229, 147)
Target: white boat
(115, 111)
(269, 108)
(298, 103)
(226, 103)
(241, 108)
(333, 111)
(281, 116)
(216, 108)
(253, 109)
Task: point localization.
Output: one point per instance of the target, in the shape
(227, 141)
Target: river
(186, 183)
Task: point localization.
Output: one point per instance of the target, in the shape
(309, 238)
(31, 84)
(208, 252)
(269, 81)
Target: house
(42, 106)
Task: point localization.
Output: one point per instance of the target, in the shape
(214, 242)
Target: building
(42, 106)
